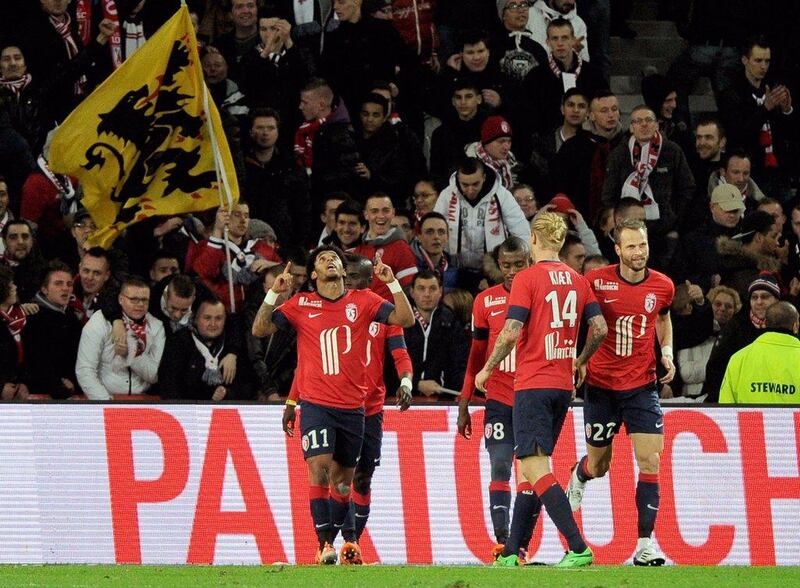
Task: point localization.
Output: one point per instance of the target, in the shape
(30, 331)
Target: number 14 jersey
(627, 359)
(550, 299)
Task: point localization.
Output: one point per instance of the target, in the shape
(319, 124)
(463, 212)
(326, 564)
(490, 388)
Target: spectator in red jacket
(250, 258)
(387, 243)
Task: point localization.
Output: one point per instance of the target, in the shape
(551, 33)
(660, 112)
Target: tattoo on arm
(505, 342)
(597, 332)
(263, 325)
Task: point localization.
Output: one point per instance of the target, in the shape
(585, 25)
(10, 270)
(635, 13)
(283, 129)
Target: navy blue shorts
(538, 417)
(371, 448)
(332, 430)
(604, 412)
(498, 424)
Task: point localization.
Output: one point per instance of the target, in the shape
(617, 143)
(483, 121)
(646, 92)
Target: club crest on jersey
(650, 302)
(373, 329)
(351, 312)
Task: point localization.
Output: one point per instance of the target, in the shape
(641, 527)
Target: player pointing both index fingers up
(332, 327)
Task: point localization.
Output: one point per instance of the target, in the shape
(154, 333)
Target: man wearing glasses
(653, 170)
(102, 374)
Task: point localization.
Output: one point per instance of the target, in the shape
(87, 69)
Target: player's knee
(649, 463)
(501, 459)
(319, 474)
(342, 488)
(362, 483)
(501, 470)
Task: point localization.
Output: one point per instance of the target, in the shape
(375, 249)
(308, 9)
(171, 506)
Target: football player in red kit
(621, 380)
(547, 303)
(332, 325)
(488, 318)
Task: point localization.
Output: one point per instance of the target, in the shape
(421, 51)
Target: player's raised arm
(402, 315)
(502, 347)
(263, 325)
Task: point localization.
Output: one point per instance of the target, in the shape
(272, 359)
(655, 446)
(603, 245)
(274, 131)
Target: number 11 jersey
(549, 298)
(332, 340)
(627, 358)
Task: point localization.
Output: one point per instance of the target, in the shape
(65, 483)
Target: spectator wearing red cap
(494, 149)
(562, 205)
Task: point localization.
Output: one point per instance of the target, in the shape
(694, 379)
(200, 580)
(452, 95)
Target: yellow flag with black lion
(148, 141)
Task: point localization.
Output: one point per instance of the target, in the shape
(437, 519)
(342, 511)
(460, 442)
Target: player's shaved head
(359, 272)
(782, 315)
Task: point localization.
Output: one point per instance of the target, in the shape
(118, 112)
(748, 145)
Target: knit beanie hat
(493, 128)
(501, 6)
(767, 282)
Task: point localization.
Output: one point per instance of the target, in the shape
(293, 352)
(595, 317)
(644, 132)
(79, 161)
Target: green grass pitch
(78, 576)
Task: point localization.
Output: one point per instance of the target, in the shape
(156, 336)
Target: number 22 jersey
(332, 340)
(626, 359)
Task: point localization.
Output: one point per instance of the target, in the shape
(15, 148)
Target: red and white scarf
(14, 321)
(64, 28)
(422, 320)
(765, 138)
(644, 162)
(568, 80)
(83, 14)
(502, 167)
(139, 331)
(16, 86)
(62, 183)
(304, 143)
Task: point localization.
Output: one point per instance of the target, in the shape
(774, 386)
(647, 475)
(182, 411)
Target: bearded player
(545, 308)
(332, 325)
(488, 318)
(621, 380)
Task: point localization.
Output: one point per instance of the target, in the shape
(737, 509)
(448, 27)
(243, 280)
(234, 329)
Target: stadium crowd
(422, 133)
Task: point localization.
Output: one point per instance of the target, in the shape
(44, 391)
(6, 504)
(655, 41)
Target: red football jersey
(381, 336)
(398, 256)
(332, 340)
(627, 358)
(488, 318)
(551, 299)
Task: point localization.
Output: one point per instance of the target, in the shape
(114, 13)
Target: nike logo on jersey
(659, 425)
(610, 300)
(651, 507)
(322, 525)
(498, 506)
(496, 313)
(314, 314)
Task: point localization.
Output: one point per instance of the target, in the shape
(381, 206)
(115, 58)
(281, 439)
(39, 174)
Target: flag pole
(222, 182)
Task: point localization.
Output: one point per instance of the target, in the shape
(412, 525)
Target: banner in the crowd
(202, 484)
(148, 141)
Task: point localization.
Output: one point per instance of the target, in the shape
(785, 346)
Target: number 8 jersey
(627, 358)
(550, 299)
